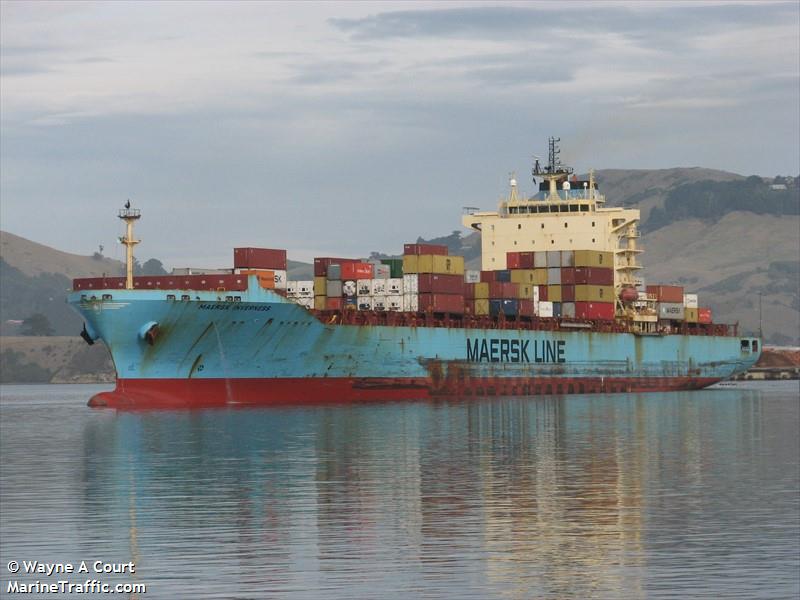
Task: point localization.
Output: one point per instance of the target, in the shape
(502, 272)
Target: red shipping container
(526, 308)
(469, 291)
(542, 293)
(487, 276)
(334, 303)
(597, 311)
(321, 264)
(441, 284)
(526, 260)
(499, 290)
(425, 249)
(594, 276)
(704, 315)
(513, 260)
(667, 293)
(567, 276)
(356, 270)
(567, 293)
(447, 303)
(259, 258)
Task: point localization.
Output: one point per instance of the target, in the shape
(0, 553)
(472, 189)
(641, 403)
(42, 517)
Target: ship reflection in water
(679, 495)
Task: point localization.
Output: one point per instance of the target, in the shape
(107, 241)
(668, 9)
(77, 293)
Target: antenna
(554, 152)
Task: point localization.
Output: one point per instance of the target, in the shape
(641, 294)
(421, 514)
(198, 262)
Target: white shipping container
(364, 302)
(690, 300)
(379, 303)
(349, 288)
(280, 280)
(364, 287)
(641, 296)
(411, 283)
(394, 286)
(536, 293)
(305, 302)
(395, 302)
(305, 289)
(410, 302)
(378, 287)
(291, 288)
(472, 276)
(545, 309)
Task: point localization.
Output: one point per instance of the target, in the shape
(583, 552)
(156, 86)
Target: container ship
(560, 306)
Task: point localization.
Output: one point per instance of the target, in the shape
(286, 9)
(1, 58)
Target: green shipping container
(395, 266)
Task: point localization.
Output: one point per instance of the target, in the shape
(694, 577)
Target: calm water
(626, 496)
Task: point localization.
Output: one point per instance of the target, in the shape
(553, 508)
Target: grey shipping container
(554, 276)
(333, 289)
(334, 272)
(567, 258)
(670, 310)
(568, 310)
(540, 260)
(553, 258)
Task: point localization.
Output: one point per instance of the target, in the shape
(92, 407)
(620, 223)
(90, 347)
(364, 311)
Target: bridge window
(106, 296)
(573, 208)
(585, 207)
(745, 345)
(185, 298)
(755, 345)
(563, 208)
(171, 297)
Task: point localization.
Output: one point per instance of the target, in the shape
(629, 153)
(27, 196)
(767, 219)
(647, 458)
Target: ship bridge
(566, 213)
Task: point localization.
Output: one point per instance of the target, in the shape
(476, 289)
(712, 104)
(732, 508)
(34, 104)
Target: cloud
(669, 26)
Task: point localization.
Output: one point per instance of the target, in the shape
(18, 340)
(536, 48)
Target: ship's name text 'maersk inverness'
(515, 351)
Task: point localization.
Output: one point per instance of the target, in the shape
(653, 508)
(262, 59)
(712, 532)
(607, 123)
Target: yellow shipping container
(525, 291)
(319, 301)
(433, 263)
(554, 293)
(593, 293)
(690, 315)
(594, 258)
(410, 263)
(320, 286)
(481, 291)
(481, 306)
(523, 276)
(539, 277)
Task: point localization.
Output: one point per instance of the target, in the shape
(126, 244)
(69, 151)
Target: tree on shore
(36, 324)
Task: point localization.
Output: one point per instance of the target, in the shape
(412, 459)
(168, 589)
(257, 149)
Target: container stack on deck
(432, 279)
(675, 306)
(267, 264)
(565, 283)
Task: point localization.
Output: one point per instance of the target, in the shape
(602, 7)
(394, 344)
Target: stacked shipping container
(570, 284)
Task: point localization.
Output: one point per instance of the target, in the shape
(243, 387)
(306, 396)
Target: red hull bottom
(208, 393)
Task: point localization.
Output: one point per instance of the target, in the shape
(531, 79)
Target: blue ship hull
(259, 348)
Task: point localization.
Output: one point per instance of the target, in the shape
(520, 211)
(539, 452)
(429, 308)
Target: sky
(340, 128)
